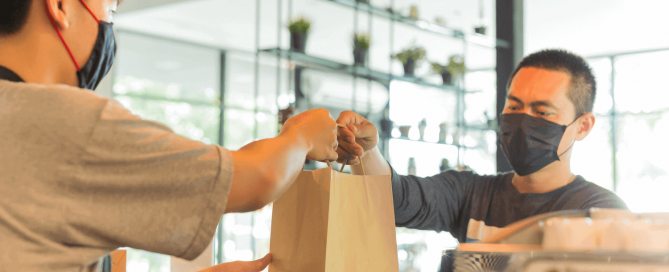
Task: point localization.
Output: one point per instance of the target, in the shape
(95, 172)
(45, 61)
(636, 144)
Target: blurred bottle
(444, 165)
(412, 167)
(442, 133)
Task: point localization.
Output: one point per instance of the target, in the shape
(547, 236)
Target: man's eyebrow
(533, 104)
(542, 103)
(511, 97)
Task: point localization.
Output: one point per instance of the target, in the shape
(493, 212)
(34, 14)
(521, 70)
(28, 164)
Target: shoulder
(56, 111)
(54, 100)
(475, 181)
(594, 196)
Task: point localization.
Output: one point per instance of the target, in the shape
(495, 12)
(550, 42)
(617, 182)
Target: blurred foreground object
(593, 240)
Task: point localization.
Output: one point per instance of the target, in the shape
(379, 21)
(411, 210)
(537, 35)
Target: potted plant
(446, 76)
(480, 30)
(360, 48)
(386, 127)
(410, 58)
(456, 66)
(299, 28)
(444, 165)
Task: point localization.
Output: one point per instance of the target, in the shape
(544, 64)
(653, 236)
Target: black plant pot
(360, 56)
(386, 127)
(363, 1)
(409, 67)
(480, 30)
(298, 41)
(447, 78)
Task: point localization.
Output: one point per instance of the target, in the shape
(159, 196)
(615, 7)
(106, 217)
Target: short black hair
(13, 15)
(583, 88)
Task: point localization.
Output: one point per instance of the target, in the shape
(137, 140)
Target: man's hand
(239, 266)
(359, 137)
(318, 129)
(265, 169)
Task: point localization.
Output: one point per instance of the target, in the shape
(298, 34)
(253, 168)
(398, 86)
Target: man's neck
(37, 57)
(550, 178)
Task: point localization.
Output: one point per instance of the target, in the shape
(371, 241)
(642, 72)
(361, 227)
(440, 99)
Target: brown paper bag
(118, 260)
(334, 222)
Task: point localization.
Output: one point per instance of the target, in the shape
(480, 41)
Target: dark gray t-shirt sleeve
(431, 203)
(595, 196)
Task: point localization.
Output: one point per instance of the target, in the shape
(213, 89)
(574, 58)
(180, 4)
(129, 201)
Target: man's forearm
(374, 163)
(264, 170)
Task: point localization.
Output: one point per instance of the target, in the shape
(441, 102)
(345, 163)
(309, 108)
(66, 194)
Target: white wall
(594, 27)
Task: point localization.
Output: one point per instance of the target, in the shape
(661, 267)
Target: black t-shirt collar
(7, 74)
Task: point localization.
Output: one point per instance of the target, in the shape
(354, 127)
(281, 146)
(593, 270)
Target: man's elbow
(266, 186)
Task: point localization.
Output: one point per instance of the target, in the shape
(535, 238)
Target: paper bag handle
(344, 165)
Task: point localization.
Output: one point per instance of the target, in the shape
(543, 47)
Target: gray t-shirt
(473, 207)
(81, 176)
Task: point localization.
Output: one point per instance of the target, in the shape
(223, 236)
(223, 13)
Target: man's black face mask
(101, 58)
(530, 143)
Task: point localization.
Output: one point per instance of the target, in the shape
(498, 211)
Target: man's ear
(56, 10)
(585, 125)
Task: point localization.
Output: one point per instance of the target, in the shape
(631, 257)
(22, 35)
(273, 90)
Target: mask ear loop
(90, 11)
(573, 142)
(53, 23)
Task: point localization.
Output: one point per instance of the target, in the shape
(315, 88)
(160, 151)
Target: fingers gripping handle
(344, 165)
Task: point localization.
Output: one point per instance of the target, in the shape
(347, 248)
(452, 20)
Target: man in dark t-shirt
(548, 107)
(472, 207)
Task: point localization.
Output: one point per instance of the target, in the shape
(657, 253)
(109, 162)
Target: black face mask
(101, 59)
(102, 56)
(530, 143)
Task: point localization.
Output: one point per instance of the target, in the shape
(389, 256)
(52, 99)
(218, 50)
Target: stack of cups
(608, 231)
(570, 234)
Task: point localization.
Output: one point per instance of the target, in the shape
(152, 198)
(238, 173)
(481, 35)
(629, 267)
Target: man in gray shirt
(81, 176)
(548, 108)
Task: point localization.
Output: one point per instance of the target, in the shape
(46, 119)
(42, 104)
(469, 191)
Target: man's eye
(542, 113)
(513, 108)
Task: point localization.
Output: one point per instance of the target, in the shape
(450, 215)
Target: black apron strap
(7, 74)
(107, 264)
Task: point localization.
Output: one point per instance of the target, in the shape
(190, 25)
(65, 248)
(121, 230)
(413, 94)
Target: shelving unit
(432, 27)
(306, 61)
(437, 143)
(311, 62)
(473, 140)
